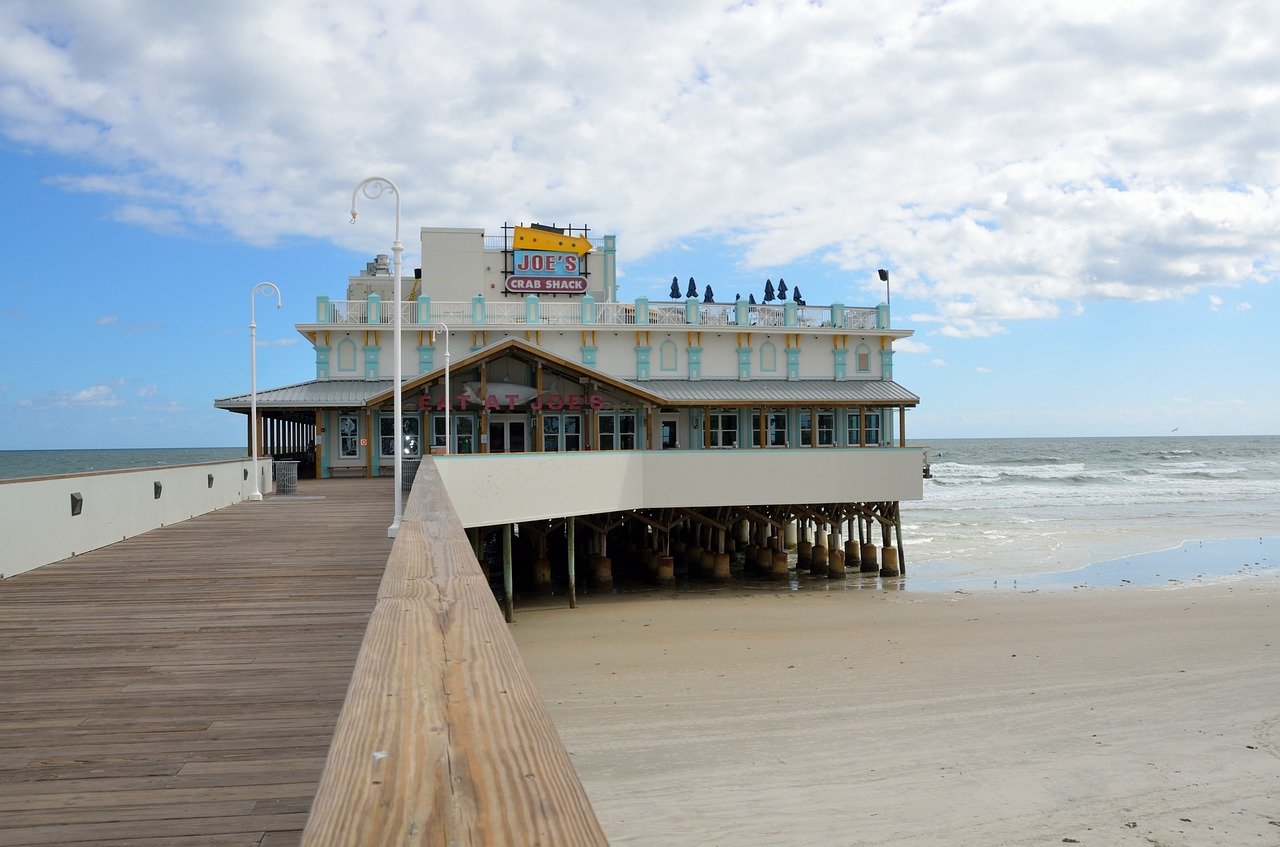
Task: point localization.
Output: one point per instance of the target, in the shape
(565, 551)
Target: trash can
(286, 476)
(408, 470)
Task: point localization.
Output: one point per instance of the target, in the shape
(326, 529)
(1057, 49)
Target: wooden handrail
(443, 738)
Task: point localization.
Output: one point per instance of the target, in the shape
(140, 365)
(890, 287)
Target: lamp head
(884, 275)
(353, 214)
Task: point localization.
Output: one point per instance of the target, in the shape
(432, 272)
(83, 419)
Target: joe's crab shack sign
(548, 261)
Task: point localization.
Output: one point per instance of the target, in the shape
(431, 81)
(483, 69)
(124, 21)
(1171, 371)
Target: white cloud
(106, 320)
(101, 396)
(938, 363)
(1127, 155)
(277, 342)
(147, 391)
(907, 345)
(1215, 302)
(1244, 306)
(980, 369)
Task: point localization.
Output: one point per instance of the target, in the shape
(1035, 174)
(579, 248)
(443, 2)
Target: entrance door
(507, 433)
(670, 434)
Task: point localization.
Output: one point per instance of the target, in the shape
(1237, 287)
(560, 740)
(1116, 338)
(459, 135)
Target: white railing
(570, 313)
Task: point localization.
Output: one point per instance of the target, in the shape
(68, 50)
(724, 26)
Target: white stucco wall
(488, 489)
(38, 528)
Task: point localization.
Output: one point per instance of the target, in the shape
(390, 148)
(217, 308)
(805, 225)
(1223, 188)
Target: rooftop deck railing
(585, 312)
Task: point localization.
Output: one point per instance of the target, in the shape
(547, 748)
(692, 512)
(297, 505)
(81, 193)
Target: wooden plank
(443, 738)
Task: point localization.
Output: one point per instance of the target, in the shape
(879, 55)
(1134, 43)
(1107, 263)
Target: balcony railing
(584, 312)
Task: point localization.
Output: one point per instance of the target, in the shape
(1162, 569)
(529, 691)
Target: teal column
(589, 355)
(741, 312)
(324, 311)
(371, 362)
(588, 309)
(642, 311)
(886, 364)
(325, 441)
(426, 358)
(789, 313)
(322, 361)
(374, 312)
(837, 315)
(691, 311)
(477, 310)
(696, 423)
(695, 363)
(642, 362)
(886, 427)
(882, 316)
(424, 309)
(793, 363)
(744, 363)
(841, 363)
(532, 309)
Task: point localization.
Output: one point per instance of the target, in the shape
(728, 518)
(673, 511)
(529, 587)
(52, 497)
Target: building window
(464, 432)
(387, 436)
(667, 356)
(561, 433)
(618, 431)
(347, 355)
(826, 429)
(776, 429)
(768, 358)
(806, 429)
(724, 429)
(873, 428)
(853, 423)
(862, 359)
(348, 436)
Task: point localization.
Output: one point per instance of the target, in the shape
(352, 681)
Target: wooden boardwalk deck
(182, 687)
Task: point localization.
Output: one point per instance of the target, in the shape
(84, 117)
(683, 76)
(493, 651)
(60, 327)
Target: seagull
(1175, 429)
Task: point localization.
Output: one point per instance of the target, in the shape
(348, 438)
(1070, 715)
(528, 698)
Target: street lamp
(884, 277)
(260, 288)
(373, 188)
(448, 401)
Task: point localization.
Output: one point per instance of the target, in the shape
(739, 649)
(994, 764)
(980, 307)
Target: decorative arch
(346, 356)
(667, 360)
(768, 358)
(862, 359)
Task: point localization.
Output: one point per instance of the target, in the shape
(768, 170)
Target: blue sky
(1078, 205)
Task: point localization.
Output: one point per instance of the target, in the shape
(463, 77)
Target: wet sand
(1107, 716)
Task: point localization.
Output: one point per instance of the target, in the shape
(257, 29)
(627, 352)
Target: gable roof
(313, 394)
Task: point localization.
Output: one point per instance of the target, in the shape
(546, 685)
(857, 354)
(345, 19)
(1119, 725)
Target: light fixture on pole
(373, 188)
(884, 277)
(260, 288)
(448, 400)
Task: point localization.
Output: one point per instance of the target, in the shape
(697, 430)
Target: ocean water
(26, 463)
(1042, 509)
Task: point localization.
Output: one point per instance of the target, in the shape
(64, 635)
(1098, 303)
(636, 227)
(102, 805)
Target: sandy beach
(737, 717)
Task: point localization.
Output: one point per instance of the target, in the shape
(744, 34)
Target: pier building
(673, 432)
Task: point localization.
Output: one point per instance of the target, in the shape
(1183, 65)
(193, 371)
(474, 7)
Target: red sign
(547, 284)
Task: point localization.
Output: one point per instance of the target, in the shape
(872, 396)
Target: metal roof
(818, 391)
(315, 394)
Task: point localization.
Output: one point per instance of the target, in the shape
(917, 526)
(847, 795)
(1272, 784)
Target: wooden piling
(509, 609)
(571, 539)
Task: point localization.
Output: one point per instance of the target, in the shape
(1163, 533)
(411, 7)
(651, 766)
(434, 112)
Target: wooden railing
(443, 738)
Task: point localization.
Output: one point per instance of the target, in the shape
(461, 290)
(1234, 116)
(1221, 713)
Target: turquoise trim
(789, 313)
(324, 311)
(477, 310)
(374, 308)
(886, 364)
(642, 362)
(793, 363)
(742, 312)
(426, 358)
(768, 358)
(532, 309)
(691, 311)
(371, 362)
(841, 357)
(346, 356)
(642, 311)
(325, 442)
(609, 248)
(857, 358)
(696, 423)
(695, 363)
(882, 316)
(744, 363)
(837, 315)
(322, 361)
(668, 360)
(588, 309)
(424, 309)
(589, 356)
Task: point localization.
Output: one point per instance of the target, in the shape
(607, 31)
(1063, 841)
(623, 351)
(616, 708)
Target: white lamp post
(448, 399)
(260, 288)
(373, 188)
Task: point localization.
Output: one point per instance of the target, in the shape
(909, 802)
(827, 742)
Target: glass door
(507, 433)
